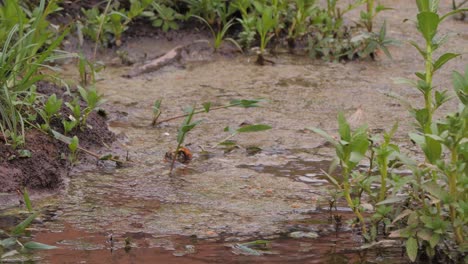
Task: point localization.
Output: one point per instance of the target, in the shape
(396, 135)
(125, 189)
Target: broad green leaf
(425, 234)
(423, 5)
(412, 248)
(37, 245)
(52, 106)
(418, 139)
(413, 219)
(437, 191)
(433, 150)
(61, 137)
(392, 200)
(444, 59)
(7, 242)
(9, 254)
(434, 240)
(343, 127)
(402, 215)
(356, 157)
(427, 24)
(253, 128)
(74, 143)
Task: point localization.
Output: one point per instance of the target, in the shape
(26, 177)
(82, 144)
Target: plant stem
(196, 112)
(452, 181)
(383, 180)
(100, 28)
(370, 14)
(347, 195)
(428, 93)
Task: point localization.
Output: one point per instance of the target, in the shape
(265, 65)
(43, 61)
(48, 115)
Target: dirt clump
(41, 163)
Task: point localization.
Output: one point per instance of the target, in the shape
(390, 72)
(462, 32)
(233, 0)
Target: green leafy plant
(107, 27)
(51, 109)
(187, 126)
(350, 149)
(92, 99)
(372, 10)
(247, 20)
(428, 207)
(165, 17)
(27, 44)
(219, 36)
(265, 26)
(88, 70)
(303, 13)
(207, 9)
(13, 244)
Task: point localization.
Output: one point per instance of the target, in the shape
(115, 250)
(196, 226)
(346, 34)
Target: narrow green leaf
(36, 245)
(61, 137)
(253, 128)
(207, 106)
(19, 229)
(9, 254)
(331, 179)
(27, 201)
(392, 200)
(323, 134)
(444, 59)
(7, 242)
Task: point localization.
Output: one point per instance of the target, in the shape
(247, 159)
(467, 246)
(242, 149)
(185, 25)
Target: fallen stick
(156, 64)
(169, 57)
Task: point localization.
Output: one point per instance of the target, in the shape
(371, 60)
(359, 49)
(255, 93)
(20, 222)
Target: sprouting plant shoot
(156, 111)
(187, 126)
(207, 107)
(73, 147)
(243, 129)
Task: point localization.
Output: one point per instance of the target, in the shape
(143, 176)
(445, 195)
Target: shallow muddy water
(222, 199)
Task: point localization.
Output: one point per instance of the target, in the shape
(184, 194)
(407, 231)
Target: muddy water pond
(209, 210)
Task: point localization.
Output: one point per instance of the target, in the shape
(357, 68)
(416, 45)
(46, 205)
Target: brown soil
(48, 164)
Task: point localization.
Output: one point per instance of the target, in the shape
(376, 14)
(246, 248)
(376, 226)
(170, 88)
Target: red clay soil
(47, 166)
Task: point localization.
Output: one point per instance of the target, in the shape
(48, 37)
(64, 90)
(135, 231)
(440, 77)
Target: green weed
(428, 208)
(27, 45)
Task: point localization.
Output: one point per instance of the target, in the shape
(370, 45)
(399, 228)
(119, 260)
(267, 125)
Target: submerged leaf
(253, 128)
(37, 245)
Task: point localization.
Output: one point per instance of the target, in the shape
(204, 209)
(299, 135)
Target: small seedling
(92, 99)
(187, 126)
(51, 108)
(73, 147)
(156, 111)
(265, 26)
